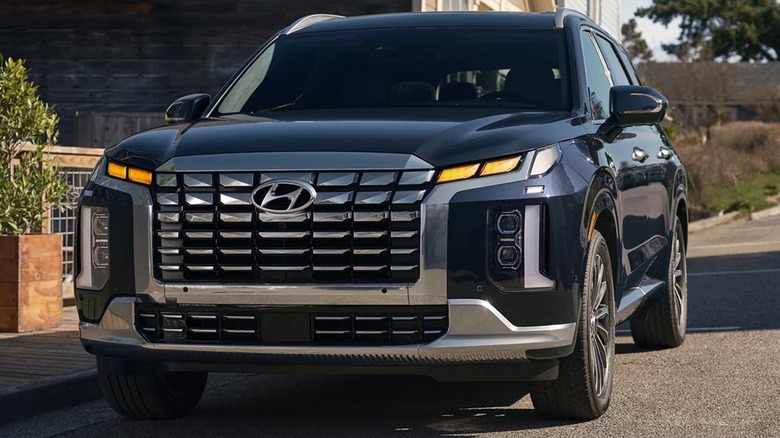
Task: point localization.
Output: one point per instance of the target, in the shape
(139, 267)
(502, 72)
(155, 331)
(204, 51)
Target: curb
(710, 222)
(769, 212)
(703, 224)
(44, 395)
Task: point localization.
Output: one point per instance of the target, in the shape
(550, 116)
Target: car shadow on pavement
(343, 406)
(385, 405)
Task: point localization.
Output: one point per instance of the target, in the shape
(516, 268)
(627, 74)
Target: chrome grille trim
(364, 226)
(199, 199)
(283, 234)
(199, 217)
(235, 217)
(283, 251)
(300, 216)
(198, 180)
(236, 179)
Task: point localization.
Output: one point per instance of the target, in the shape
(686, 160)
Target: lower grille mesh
(345, 325)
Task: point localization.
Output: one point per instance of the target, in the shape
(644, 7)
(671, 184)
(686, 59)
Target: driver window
(598, 81)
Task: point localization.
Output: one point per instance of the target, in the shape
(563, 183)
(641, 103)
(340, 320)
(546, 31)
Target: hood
(440, 136)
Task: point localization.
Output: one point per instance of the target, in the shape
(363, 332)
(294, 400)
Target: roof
(713, 83)
(544, 20)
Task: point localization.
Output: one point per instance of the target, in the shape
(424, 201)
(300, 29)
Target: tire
(584, 386)
(664, 325)
(151, 397)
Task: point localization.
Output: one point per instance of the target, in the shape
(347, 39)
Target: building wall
(604, 12)
(138, 56)
(486, 5)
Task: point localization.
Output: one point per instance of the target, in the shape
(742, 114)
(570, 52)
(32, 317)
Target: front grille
(345, 325)
(362, 227)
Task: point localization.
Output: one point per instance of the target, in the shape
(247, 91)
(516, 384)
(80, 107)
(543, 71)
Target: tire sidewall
(680, 330)
(598, 247)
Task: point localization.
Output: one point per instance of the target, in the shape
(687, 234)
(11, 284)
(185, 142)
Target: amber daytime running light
(129, 173)
(466, 171)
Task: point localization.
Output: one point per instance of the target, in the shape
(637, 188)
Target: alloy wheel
(600, 322)
(680, 284)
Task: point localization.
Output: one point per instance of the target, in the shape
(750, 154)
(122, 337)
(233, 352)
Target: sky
(655, 34)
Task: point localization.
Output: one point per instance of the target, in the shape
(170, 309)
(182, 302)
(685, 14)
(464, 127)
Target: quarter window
(598, 81)
(616, 70)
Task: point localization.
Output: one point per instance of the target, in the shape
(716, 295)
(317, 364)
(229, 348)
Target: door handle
(639, 155)
(665, 153)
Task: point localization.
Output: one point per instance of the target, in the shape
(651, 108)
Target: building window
(454, 5)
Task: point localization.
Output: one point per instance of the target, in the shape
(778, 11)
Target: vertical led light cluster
(509, 227)
(505, 248)
(94, 248)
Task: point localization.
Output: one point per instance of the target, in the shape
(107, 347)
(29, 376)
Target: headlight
(543, 160)
(493, 167)
(129, 173)
(94, 249)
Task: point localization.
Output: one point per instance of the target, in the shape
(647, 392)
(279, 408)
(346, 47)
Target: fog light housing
(94, 248)
(508, 224)
(508, 256)
(505, 247)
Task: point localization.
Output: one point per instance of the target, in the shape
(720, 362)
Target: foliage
(636, 46)
(737, 168)
(719, 30)
(30, 181)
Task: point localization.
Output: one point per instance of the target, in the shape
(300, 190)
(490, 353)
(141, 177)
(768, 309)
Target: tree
(635, 45)
(719, 30)
(30, 181)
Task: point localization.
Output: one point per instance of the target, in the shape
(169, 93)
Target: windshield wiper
(290, 104)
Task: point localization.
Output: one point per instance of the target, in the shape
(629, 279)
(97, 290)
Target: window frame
(605, 58)
(587, 32)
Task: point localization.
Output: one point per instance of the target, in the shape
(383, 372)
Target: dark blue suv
(468, 196)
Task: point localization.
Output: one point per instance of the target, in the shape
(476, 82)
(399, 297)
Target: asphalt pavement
(723, 382)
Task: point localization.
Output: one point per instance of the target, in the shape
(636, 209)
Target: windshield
(472, 67)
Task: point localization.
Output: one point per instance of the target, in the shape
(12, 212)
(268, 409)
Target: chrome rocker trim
(478, 333)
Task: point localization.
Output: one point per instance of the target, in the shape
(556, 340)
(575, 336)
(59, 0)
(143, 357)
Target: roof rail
(308, 21)
(562, 13)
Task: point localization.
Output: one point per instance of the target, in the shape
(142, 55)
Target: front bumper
(478, 334)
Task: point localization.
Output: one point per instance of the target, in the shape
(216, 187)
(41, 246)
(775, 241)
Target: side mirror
(187, 109)
(632, 105)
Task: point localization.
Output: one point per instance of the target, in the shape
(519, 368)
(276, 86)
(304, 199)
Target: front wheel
(665, 323)
(161, 396)
(584, 386)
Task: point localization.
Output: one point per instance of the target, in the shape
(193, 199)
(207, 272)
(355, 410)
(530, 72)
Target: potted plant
(30, 182)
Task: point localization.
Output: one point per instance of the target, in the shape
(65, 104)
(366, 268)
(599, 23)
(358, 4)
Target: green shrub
(30, 181)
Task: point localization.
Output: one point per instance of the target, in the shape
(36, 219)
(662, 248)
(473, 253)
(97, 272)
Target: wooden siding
(101, 129)
(138, 56)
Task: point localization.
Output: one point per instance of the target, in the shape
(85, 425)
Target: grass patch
(746, 196)
(734, 167)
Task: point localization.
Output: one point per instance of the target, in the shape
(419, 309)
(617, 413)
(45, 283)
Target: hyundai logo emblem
(281, 197)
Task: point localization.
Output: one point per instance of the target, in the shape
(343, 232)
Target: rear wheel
(150, 397)
(584, 385)
(666, 321)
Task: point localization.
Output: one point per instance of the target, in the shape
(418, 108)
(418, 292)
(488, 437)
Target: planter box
(30, 282)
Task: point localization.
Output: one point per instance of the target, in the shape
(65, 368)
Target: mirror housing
(187, 109)
(632, 105)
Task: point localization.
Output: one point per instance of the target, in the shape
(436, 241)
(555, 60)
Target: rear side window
(598, 82)
(616, 70)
